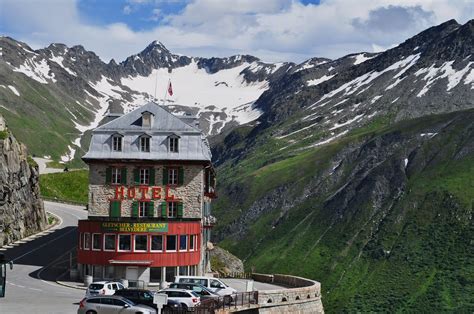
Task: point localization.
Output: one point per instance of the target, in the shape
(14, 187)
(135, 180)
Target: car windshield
(96, 286)
(194, 294)
(129, 302)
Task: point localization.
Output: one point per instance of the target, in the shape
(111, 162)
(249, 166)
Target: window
(142, 209)
(141, 243)
(145, 144)
(172, 176)
(116, 176)
(183, 271)
(191, 242)
(170, 274)
(157, 243)
(117, 143)
(109, 242)
(87, 241)
(173, 144)
(171, 243)
(183, 242)
(96, 245)
(124, 242)
(155, 274)
(172, 209)
(144, 176)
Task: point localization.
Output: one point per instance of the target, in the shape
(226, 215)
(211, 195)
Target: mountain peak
(156, 46)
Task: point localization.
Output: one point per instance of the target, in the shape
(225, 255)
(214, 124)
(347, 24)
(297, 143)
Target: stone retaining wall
(302, 295)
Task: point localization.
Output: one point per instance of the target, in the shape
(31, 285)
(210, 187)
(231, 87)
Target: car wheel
(91, 312)
(185, 307)
(227, 300)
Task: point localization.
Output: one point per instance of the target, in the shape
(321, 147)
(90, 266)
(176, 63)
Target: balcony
(209, 221)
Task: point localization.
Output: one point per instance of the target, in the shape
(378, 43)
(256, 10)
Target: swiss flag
(170, 89)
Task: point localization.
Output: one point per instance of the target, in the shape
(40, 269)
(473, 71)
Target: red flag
(170, 89)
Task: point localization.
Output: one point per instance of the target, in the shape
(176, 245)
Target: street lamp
(3, 274)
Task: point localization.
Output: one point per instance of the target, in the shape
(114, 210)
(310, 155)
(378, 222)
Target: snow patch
(373, 100)
(360, 58)
(445, 71)
(337, 125)
(39, 71)
(319, 80)
(14, 90)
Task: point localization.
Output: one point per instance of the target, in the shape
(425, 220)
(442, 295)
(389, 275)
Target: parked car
(111, 304)
(187, 299)
(213, 284)
(204, 293)
(142, 296)
(104, 288)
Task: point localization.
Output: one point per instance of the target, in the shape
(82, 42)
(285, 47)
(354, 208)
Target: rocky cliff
(21, 209)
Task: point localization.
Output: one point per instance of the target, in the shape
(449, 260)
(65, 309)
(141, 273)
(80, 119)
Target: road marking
(35, 289)
(20, 286)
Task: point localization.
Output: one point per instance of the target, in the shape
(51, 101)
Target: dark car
(141, 296)
(204, 293)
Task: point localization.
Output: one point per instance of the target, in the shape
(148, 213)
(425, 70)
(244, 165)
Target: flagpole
(156, 84)
(166, 92)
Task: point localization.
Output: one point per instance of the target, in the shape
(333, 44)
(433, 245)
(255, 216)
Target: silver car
(110, 304)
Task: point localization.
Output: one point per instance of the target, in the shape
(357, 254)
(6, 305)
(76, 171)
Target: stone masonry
(190, 192)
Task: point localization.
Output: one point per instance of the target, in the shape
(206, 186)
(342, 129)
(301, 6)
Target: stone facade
(191, 192)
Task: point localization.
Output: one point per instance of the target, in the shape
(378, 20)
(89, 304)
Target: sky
(273, 30)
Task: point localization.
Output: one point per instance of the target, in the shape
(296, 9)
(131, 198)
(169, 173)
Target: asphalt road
(31, 286)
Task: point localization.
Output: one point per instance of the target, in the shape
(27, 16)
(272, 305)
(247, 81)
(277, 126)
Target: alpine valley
(356, 172)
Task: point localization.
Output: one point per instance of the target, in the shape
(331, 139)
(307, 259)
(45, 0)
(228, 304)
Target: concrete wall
(191, 192)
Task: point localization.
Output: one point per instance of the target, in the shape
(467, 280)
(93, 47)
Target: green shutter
(164, 208)
(180, 175)
(152, 176)
(135, 209)
(165, 175)
(124, 175)
(114, 208)
(180, 210)
(108, 175)
(136, 175)
(151, 209)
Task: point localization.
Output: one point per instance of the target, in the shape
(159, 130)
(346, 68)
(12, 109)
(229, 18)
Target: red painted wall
(158, 258)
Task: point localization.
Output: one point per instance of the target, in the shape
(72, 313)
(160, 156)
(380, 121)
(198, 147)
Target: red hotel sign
(143, 193)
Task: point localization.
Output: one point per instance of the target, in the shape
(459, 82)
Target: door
(132, 275)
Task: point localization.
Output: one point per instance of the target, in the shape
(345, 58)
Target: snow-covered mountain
(65, 91)
(221, 92)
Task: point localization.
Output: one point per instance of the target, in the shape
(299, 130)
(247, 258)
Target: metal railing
(234, 301)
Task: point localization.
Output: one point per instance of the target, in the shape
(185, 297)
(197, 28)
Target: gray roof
(192, 143)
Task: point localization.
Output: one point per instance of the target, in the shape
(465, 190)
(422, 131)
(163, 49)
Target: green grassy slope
(411, 252)
(66, 186)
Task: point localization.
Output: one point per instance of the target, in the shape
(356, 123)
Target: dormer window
(173, 143)
(147, 119)
(145, 143)
(117, 142)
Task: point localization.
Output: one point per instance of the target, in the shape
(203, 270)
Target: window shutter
(152, 176)
(164, 208)
(108, 175)
(180, 175)
(115, 208)
(151, 209)
(135, 209)
(165, 175)
(180, 210)
(124, 175)
(136, 175)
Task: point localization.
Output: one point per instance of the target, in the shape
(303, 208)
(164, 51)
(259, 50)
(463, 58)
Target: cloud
(279, 30)
(127, 10)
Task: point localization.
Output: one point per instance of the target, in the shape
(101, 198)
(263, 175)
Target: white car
(187, 299)
(213, 284)
(103, 288)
